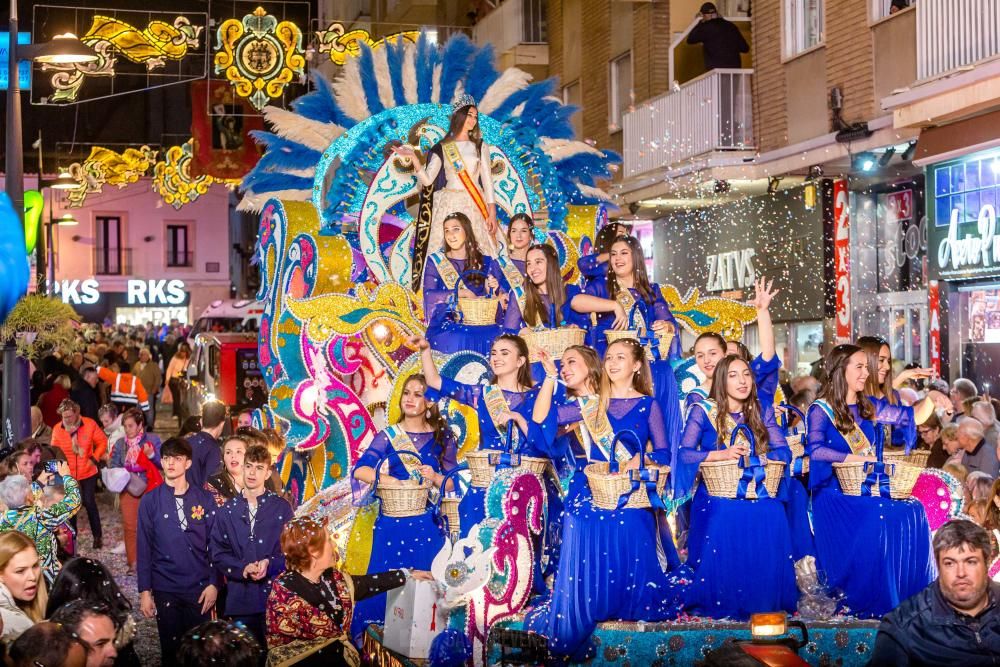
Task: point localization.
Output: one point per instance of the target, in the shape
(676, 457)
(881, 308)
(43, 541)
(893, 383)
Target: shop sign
(965, 253)
(934, 330)
(731, 270)
(139, 292)
(842, 259)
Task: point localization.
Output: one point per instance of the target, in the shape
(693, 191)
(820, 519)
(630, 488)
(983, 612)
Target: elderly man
(151, 377)
(47, 644)
(978, 454)
(83, 442)
(983, 412)
(955, 620)
(961, 389)
(40, 431)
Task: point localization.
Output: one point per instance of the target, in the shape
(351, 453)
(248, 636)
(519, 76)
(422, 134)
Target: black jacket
(87, 397)
(721, 41)
(926, 631)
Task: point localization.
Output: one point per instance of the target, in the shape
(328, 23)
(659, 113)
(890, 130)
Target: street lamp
(65, 220)
(62, 49)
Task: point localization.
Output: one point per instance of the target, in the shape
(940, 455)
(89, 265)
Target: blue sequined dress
(444, 333)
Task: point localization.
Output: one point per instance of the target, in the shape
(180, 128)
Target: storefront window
(978, 320)
(808, 339)
(902, 241)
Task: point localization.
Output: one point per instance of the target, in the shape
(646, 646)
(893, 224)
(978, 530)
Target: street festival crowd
(233, 577)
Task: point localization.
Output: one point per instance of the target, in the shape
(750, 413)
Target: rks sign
(139, 292)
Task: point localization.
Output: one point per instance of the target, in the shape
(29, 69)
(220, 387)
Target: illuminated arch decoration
(259, 55)
(107, 167)
(172, 178)
(342, 44)
(110, 37)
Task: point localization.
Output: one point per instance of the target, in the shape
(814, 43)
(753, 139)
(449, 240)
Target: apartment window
(803, 25)
(573, 95)
(108, 251)
(883, 8)
(620, 99)
(178, 247)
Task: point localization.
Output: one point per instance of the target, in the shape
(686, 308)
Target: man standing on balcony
(721, 41)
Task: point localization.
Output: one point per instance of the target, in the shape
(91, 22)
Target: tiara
(465, 100)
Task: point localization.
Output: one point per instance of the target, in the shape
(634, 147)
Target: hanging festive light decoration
(172, 178)
(259, 55)
(111, 37)
(105, 166)
(341, 44)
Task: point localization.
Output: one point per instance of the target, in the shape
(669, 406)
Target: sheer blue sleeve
(542, 436)
(661, 311)
(513, 320)
(900, 418)
(492, 268)
(765, 373)
(597, 288)
(449, 460)
(568, 413)
(435, 294)
(469, 394)
(776, 443)
(591, 268)
(572, 317)
(818, 445)
(376, 450)
(658, 435)
(690, 454)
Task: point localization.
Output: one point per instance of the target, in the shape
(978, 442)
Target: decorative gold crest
(105, 166)
(172, 177)
(259, 55)
(341, 45)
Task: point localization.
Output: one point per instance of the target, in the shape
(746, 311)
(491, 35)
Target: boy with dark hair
(246, 542)
(207, 450)
(219, 643)
(176, 577)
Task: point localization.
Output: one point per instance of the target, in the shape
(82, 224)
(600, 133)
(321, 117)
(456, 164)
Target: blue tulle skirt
(797, 511)
(876, 550)
(410, 542)
(608, 570)
(741, 555)
(449, 337)
(471, 509)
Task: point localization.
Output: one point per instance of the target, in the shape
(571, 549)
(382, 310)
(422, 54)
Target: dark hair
(961, 532)
(135, 414)
(710, 335)
(29, 445)
(442, 432)
(834, 390)
(519, 217)
(73, 613)
(535, 312)
(456, 124)
(213, 413)
(45, 643)
(872, 345)
(191, 425)
(257, 454)
(473, 254)
(221, 643)
(640, 280)
(606, 236)
(251, 436)
(89, 580)
(524, 373)
(175, 447)
(751, 407)
(743, 352)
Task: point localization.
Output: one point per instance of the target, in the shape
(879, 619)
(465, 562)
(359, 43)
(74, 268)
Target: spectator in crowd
(39, 523)
(977, 511)
(955, 620)
(139, 453)
(47, 644)
(978, 486)
(90, 581)
(22, 585)
(245, 418)
(721, 41)
(176, 579)
(151, 376)
(977, 454)
(228, 482)
(961, 390)
(174, 392)
(40, 431)
(50, 400)
(85, 392)
(949, 439)
(982, 411)
(898, 6)
(84, 444)
(111, 420)
(93, 625)
(126, 390)
(220, 644)
(930, 438)
(246, 543)
(190, 426)
(956, 470)
(205, 443)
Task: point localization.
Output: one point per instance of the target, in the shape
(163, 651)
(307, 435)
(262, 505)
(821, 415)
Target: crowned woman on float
(613, 564)
(419, 445)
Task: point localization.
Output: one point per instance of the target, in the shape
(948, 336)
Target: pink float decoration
(940, 494)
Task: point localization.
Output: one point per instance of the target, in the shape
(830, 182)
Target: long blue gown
(609, 566)
(443, 332)
(657, 310)
(740, 550)
(410, 542)
(513, 321)
(591, 269)
(876, 550)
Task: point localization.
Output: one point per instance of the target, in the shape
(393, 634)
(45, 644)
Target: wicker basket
(722, 478)
(663, 339)
(901, 480)
(478, 311)
(798, 451)
(483, 471)
(553, 341)
(606, 488)
(918, 457)
(449, 508)
(403, 497)
(618, 334)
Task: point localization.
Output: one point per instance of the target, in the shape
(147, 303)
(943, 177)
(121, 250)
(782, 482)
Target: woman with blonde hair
(23, 595)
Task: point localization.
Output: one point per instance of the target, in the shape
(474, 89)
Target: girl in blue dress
(881, 389)
(509, 396)
(444, 270)
(594, 267)
(410, 542)
(740, 550)
(520, 235)
(614, 563)
(876, 550)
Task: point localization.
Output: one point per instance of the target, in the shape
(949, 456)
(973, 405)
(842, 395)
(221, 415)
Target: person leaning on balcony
(721, 41)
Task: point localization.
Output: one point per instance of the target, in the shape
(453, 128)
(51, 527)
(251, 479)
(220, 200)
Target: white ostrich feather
(436, 86)
(384, 80)
(561, 149)
(349, 91)
(292, 126)
(309, 172)
(410, 72)
(596, 193)
(518, 110)
(459, 91)
(511, 81)
(254, 203)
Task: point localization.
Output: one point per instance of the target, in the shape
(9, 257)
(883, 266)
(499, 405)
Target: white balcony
(708, 114)
(515, 23)
(954, 34)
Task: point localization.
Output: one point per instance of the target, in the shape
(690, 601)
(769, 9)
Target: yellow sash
(856, 438)
(711, 409)
(496, 405)
(596, 430)
(402, 442)
(446, 270)
(451, 153)
(627, 301)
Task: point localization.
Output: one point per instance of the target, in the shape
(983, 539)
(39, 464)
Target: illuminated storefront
(156, 301)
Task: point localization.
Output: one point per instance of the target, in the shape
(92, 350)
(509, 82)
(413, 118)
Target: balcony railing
(711, 113)
(513, 23)
(179, 258)
(112, 261)
(952, 34)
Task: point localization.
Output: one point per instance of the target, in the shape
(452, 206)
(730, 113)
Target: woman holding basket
(419, 446)
(461, 271)
(874, 548)
(614, 562)
(740, 544)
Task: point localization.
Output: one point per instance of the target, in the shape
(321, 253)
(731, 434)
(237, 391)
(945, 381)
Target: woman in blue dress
(876, 550)
(740, 549)
(410, 542)
(521, 234)
(881, 388)
(594, 267)
(509, 396)
(447, 268)
(614, 563)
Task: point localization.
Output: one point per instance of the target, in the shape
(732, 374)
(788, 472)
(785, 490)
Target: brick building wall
(849, 57)
(770, 109)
